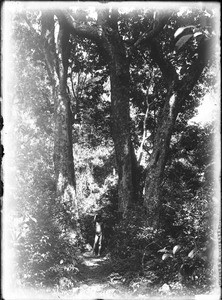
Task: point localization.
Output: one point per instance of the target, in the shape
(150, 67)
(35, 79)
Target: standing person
(98, 223)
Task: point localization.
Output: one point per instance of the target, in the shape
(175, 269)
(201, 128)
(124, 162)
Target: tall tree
(57, 54)
(111, 46)
(53, 49)
(121, 40)
(178, 86)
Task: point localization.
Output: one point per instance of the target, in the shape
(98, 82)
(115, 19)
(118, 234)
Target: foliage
(180, 252)
(47, 251)
(186, 239)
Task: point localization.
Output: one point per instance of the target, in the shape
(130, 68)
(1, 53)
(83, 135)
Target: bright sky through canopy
(208, 111)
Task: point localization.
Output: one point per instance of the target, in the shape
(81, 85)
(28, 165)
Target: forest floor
(93, 282)
(96, 280)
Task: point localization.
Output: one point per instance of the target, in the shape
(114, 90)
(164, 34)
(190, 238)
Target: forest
(99, 107)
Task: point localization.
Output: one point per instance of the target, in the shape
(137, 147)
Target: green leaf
(197, 34)
(176, 248)
(182, 41)
(191, 254)
(166, 255)
(181, 30)
(163, 250)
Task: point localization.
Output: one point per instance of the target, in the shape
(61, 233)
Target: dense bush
(181, 253)
(44, 254)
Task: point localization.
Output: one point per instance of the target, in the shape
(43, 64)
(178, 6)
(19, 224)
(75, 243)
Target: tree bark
(157, 161)
(120, 116)
(178, 90)
(63, 154)
(57, 65)
(111, 46)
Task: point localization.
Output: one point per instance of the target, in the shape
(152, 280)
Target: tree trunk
(177, 93)
(158, 160)
(111, 46)
(63, 155)
(57, 65)
(120, 116)
(122, 141)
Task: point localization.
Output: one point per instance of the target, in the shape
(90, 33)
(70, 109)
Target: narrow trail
(95, 269)
(96, 281)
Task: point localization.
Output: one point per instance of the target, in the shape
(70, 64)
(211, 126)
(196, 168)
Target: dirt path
(95, 269)
(98, 279)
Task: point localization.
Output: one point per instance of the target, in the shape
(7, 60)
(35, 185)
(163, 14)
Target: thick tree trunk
(112, 48)
(175, 99)
(64, 160)
(57, 65)
(63, 154)
(120, 115)
(158, 160)
(122, 141)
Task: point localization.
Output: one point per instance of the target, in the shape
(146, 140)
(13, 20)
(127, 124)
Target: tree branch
(140, 153)
(72, 85)
(186, 84)
(41, 43)
(167, 69)
(158, 23)
(85, 31)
